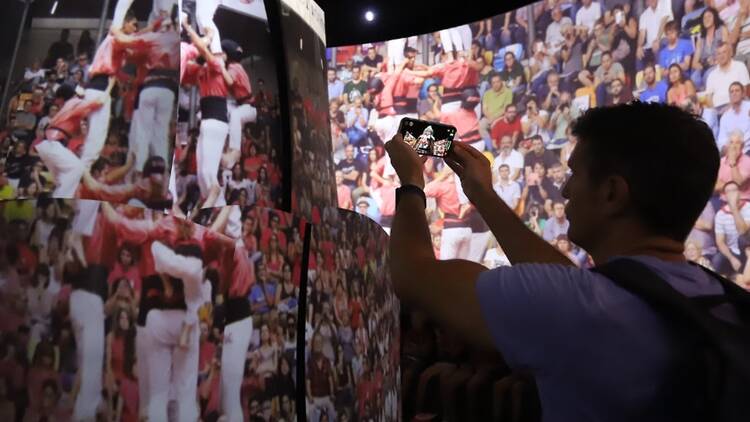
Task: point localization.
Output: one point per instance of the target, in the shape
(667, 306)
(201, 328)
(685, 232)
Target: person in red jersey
(64, 165)
(213, 82)
(465, 119)
(240, 105)
(455, 76)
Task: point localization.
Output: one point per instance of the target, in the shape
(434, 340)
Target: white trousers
(204, 14)
(87, 316)
(121, 9)
(65, 167)
(478, 246)
(160, 7)
(142, 346)
(238, 116)
(455, 243)
(456, 39)
(171, 366)
(98, 127)
(237, 341)
(155, 109)
(213, 134)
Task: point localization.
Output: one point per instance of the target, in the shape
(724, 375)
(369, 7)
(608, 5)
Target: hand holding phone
(427, 138)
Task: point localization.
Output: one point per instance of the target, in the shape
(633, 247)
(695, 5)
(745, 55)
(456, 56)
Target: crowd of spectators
(40, 371)
(533, 81)
(352, 327)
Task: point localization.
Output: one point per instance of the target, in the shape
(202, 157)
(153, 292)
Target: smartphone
(427, 138)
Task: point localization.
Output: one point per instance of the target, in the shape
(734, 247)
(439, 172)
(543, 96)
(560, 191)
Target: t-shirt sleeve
(533, 311)
(718, 228)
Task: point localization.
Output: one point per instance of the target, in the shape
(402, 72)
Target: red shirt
(110, 55)
(345, 197)
(384, 100)
(69, 118)
(457, 74)
(466, 123)
(131, 274)
(162, 50)
(388, 200)
(241, 88)
(209, 77)
(446, 194)
(503, 128)
(265, 238)
(407, 85)
(188, 53)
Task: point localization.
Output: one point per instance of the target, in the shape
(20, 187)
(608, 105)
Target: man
(335, 86)
(494, 102)
(372, 63)
(456, 76)
(731, 222)
(651, 25)
(508, 156)
(617, 93)
(557, 224)
(513, 74)
(587, 15)
(677, 51)
(509, 125)
(429, 108)
(319, 383)
(538, 154)
(26, 119)
(351, 168)
(736, 117)
(607, 72)
(551, 92)
(554, 38)
(60, 49)
(533, 311)
(240, 106)
(553, 186)
(456, 237)
(464, 119)
(82, 64)
(356, 84)
(725, 73)
(655, 92)
(344, 193)
(508, 190)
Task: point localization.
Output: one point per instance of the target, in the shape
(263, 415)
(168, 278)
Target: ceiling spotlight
(54, 8)
(369, 16)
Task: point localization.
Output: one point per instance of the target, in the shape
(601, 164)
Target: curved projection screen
(535, 70)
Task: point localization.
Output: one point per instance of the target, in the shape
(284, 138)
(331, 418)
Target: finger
(460, 154)
(424, 159)
(469, 149)
(455, 166)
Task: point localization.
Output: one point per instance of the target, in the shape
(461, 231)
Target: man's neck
(659, 247)
(736, 106)
(726, 65)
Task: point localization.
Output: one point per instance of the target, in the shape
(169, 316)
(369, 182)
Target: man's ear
(616, 196)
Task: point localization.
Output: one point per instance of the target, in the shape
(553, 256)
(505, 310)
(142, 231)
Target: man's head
(724, 54)
(497, 82)
(27, 105)
(349, 152)
(620, 178)
(736, 93)
(83, 59)
(649, 74)
(672, 30)
(410, 54)
(558, 173)
(372, 53)
(506, 143)
(651, 4)
(557, 13)
(537, 144)
(511, 111)
(504, 172)
(356, 72)
(331, 74)
(615, 87)
(130, 24)
(606, 60)
(553, 79)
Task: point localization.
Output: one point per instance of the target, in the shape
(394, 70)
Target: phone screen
(427, 138)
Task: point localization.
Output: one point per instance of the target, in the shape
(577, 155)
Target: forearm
(519, 243)
(737, 177)
(410, 245)
(724, 249)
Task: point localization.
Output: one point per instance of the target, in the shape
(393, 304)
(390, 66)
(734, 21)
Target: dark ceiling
(345, 22)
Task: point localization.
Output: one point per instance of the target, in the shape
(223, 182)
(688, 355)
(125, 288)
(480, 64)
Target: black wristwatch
(410, 189)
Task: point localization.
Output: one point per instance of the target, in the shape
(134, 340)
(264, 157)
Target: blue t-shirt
(598, 352)
(257, 296)
(657, 94)
(677, 55)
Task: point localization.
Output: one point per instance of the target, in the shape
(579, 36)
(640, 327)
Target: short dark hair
(671, 26)
(633, 140)
(494, 75)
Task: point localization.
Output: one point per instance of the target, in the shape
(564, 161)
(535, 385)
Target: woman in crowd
(681, 90)
(713, 33)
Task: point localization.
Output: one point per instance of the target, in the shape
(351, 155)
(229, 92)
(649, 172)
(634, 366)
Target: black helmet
(232, 49)
(65, 91)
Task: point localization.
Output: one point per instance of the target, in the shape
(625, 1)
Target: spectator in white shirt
(335, 86)
(554, 38)
(510, 157)
(508, 190)
(34, 74)
(556, 225)
(587, 15)
(651, 24)
(725, 73)
(731, 223)
(735, 118)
